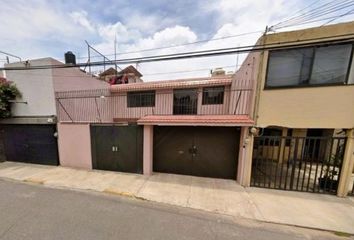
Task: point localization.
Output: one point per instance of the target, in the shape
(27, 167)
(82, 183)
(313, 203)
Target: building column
(245, 158)
(347, 165)
(148, 149)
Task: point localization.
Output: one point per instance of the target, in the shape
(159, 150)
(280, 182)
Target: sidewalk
(214, 195)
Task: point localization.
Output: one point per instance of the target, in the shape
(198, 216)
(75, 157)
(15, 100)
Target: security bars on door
(307, 164)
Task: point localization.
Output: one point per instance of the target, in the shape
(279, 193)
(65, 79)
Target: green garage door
(117, 148)
(198, 151)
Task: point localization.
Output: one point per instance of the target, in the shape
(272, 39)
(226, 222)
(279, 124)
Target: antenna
(89, 48)
(11, 55)
(115, 52)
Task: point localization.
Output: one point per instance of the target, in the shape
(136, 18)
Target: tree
(8, 91)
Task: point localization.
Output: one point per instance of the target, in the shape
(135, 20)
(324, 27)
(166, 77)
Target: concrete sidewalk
(213, 195)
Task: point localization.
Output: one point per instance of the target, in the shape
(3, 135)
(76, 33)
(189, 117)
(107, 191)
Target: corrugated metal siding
(242, 86)
(164, 102)
(214, 109)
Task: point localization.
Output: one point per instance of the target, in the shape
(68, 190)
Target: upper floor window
(213, 95)
(141, 99)
(308, 66)
(185, 101)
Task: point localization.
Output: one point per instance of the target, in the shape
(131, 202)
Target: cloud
(45, 28)
(80, 17)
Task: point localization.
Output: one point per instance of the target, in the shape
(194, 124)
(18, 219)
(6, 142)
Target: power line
(295, 13)
(321, 8)
(315, 14)
(147, 74)
(317, 20)
(309, 19)
(180, 45)
(345, 14)
(210, 53)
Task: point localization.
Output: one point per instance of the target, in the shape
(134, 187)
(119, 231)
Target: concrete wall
(307, 107)
(36, 87)
(71, 79)
(74, 145)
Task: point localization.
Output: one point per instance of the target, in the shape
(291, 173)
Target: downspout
(259, 79)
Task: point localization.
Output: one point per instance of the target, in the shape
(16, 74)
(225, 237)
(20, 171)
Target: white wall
(36, 87)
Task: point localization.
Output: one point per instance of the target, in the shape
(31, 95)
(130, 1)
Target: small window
(141, 99)
(309, 66)
(213, 95)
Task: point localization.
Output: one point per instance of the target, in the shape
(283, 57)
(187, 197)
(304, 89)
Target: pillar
(347, 165)
(244, 168)
(148, 149)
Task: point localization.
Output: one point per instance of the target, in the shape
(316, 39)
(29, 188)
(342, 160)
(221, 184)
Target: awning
(196, 120)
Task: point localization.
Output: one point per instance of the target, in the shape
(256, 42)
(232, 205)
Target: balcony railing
(102, 106)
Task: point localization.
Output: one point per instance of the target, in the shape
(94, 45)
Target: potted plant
(330, 178)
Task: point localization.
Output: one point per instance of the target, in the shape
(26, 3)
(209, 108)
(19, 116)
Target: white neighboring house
(30, 134)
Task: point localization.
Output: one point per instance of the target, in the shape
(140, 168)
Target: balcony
(189, 101)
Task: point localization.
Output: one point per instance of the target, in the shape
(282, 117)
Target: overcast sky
(35, 29)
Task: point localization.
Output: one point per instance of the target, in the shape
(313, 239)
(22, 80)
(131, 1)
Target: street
(36, 212)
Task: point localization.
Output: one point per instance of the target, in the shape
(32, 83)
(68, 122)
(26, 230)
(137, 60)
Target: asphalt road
(36, 212)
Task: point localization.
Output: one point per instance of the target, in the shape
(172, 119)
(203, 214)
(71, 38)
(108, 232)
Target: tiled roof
(181, 83)
(197, 120)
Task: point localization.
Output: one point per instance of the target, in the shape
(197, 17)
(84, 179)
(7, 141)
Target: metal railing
(308, 164)
(102, 106)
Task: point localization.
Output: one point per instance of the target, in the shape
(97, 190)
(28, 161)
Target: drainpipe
(259, 78)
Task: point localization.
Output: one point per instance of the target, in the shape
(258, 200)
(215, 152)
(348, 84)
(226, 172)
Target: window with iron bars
(141, 99)
(213, 95)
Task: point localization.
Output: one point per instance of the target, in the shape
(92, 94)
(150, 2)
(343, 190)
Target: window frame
(309, 85)
(204, 102)
(132, 93)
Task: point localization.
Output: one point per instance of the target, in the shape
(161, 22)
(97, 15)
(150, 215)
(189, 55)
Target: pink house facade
(194, 126)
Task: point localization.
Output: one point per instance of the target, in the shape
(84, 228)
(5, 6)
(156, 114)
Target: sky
(42, 28)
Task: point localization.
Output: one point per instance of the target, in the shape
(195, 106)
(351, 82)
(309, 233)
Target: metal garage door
(31, 143)
(117, 148)
(197, 151)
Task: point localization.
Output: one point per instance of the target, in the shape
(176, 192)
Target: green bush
(8, 91)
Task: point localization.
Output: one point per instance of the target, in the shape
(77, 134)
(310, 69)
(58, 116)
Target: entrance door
(117, 148)
(197, 151)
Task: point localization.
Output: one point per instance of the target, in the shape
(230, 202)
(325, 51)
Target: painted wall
(242, 94)
(36, 87)
(71, 79)
(311, 107)
(74, 145)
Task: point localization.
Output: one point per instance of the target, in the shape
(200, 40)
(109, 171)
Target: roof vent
(218, 72)
(70, 58)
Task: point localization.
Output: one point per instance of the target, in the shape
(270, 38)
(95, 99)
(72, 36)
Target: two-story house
(304, 109)
(194, 126)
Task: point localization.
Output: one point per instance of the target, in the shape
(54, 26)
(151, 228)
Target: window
(213, 95)
(185, 101)
(309, 66)
(141, 99)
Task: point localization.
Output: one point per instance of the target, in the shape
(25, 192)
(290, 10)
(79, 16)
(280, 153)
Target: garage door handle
(193, 150)
(115, 149)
